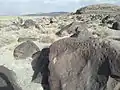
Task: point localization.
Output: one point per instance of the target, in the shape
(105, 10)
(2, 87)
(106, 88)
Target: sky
(18, 7)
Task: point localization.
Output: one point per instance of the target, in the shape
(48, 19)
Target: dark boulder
(72, 28)
(78, 64)
(116, 26)
(40, 66)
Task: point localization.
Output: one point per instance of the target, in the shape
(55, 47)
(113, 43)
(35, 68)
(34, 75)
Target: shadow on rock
(104, 68)
(9, 85)
(7, 81)
(40, 66)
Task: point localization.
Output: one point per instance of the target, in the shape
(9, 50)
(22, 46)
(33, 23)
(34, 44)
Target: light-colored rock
(24, 50)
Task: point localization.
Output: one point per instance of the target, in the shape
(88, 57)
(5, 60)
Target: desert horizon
(60, 45)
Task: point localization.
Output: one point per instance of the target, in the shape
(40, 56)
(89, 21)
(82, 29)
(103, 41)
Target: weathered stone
(77, 64)
(7, 79)
(24, 50)
(116, 26)
(72, 28)
(72, 68)
(40, 66)
(28, 23)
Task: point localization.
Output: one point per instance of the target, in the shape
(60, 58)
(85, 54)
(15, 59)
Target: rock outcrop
(99, 9)
(72, 68)
(80, 64)
(72, 28)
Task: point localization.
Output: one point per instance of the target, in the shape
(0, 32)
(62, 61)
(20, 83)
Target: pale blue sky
(17, 7)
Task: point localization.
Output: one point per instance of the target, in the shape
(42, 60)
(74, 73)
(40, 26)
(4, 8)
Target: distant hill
(99, 9)
(47, 14)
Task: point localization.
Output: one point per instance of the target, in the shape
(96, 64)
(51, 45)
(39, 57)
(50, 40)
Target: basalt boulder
(72, 28)
(76, 64)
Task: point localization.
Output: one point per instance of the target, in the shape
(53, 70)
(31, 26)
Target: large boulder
(79, 64)
(7, 79)
(25, 49)
(72, 28)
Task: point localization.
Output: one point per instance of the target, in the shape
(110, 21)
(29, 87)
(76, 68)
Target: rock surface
(71, 65)
(116, 26)
(99, 9)
(7, 79)
(72, 28)
(25, 50)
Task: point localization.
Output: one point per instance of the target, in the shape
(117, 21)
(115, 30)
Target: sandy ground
(22, 68)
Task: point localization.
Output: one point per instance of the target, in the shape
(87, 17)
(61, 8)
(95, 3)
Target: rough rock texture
(24, 50)
(28, 23)
(72, 68)
(11, 34)
(99, 9)
(7, 79)
(79, 64)
(116, 26)
(72, 28)
(40, 66)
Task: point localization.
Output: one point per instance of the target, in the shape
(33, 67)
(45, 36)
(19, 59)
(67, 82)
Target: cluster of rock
(99, 9)
(83, 61)
(26, 24)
